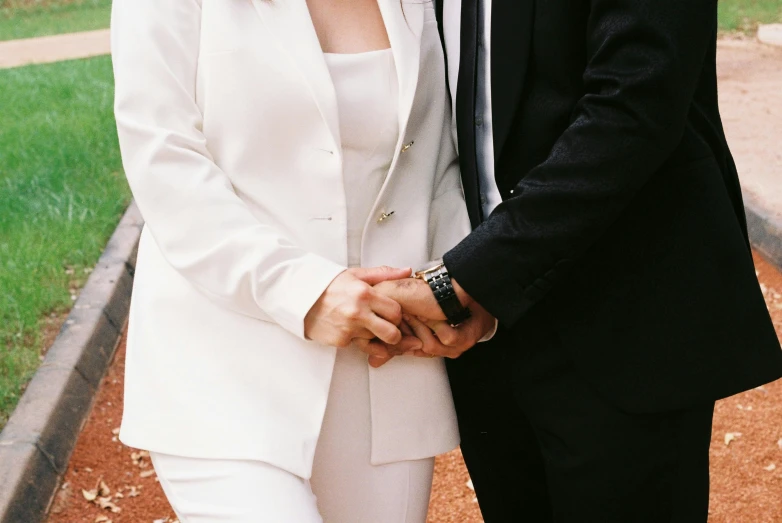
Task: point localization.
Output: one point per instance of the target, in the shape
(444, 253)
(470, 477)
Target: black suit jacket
(622, 212)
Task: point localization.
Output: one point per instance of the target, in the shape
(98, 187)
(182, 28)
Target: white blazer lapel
(291, 23)
(404, 32)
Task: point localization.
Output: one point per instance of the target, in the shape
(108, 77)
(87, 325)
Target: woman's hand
(350, 308)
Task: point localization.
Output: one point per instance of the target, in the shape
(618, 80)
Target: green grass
(745, 15)
(39, 19)
(62, 192)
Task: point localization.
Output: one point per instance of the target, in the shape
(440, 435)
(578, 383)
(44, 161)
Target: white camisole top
(368, 103)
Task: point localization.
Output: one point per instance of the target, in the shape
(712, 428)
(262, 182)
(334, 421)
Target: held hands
(350, 310)
(364, 307)
(424, 319)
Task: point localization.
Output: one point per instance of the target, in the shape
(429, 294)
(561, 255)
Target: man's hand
(426, 320)
(415, 297)
(440, 339)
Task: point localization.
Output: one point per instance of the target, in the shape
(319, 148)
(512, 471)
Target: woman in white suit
(274, 148)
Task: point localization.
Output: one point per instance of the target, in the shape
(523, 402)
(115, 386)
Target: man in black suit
(610, 242)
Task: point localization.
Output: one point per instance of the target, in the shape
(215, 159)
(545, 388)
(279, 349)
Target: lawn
(745, 15)
(28, 19)
(62, 192)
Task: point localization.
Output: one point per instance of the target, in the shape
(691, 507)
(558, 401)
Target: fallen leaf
(147, 473)
(106, 503)
(470, 485)
(102, 519)
(730, 436)
(770, 467)
(89, 495)
(140, 458)
(134, 492)
(115, 431)
(104, 489)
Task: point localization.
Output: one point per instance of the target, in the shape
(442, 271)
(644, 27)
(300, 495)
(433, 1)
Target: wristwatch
(440, 282)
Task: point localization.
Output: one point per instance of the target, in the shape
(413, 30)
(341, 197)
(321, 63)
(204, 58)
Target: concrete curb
(770, 34)
(37, 442)
(765, 228)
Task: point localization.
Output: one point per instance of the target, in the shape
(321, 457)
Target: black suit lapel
(465, 109)
(511, 38)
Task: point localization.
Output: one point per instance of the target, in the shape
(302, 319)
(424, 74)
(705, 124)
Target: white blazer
(228, 127)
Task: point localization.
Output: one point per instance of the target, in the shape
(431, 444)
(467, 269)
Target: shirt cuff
(491, 333)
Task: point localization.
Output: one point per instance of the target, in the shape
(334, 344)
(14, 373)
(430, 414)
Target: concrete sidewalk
(750, 89)
(46, 49)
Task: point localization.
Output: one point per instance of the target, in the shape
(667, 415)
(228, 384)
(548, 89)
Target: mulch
(108, 482)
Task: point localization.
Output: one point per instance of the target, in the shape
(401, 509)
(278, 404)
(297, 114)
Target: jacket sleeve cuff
(293, 298)
(499, 280)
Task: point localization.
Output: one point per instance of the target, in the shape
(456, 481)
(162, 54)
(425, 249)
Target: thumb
(375, 275)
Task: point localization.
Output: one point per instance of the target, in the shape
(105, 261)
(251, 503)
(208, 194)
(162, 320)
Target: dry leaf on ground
(730, 436)
(106, 503)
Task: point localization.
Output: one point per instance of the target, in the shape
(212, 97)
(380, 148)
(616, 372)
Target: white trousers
(345, 487)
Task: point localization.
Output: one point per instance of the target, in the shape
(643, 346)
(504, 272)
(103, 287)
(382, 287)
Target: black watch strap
(440, 282)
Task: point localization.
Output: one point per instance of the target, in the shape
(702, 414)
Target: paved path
(750, 82)
(46, 49)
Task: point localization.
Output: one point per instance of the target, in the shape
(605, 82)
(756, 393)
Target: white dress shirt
(484, 135)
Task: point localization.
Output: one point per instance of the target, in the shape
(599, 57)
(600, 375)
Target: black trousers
(542, 446)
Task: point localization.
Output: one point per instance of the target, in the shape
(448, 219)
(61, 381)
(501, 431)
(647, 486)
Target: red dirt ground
(746, 472)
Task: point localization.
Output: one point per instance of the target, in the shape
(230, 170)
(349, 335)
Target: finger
(375, 275)
(365, 334)
(386, 308)
(447, 335)
(406, 330)
(408, 344)
(432, 345)
(378, 361)
(372, 348)
(387, 332)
